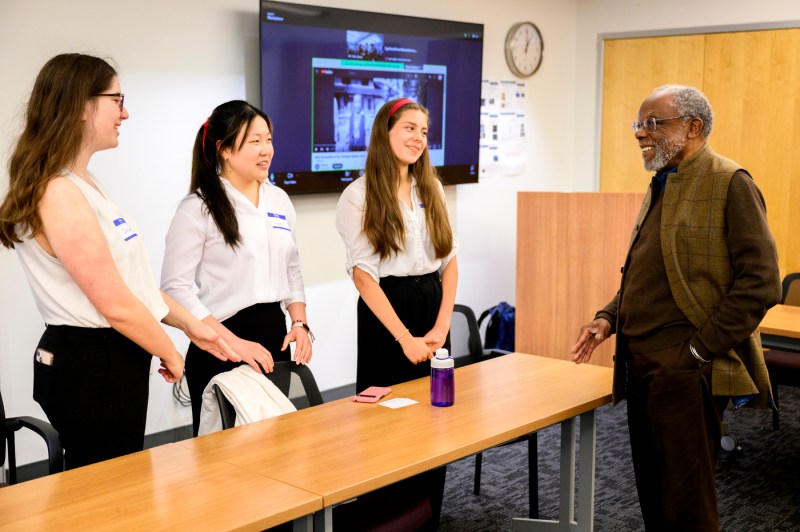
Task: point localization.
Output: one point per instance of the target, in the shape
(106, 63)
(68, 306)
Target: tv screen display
(325, 73)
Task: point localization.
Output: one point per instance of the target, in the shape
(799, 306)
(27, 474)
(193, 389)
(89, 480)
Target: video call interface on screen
(326, 72)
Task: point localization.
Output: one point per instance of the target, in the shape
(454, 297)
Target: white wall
(177, 61)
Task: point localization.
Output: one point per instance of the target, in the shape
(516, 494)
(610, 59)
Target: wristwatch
(304, 325)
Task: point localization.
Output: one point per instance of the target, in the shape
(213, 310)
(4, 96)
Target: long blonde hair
(383, 221)
(51, 138)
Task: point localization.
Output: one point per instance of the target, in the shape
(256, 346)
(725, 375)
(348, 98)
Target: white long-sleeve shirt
(265, 268)
(417, 258)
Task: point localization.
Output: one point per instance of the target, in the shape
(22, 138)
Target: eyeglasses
(114, 95)
(651, 123)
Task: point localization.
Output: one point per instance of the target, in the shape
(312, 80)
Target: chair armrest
(44, 429)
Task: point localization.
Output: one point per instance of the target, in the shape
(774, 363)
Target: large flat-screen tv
(325, 72)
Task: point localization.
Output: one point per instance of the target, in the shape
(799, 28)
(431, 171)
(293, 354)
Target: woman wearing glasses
(88, 268)
(233, 237)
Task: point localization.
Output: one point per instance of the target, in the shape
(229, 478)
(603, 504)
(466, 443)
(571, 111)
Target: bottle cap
(442, 360)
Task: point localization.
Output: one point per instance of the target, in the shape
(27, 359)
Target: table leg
(303, 524)
(323, 520)
(566, 519)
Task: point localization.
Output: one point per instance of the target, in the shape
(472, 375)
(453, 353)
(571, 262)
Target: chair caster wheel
(728, 443)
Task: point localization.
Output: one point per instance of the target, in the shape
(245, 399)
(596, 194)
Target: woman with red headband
(401, 253)
(233, 237)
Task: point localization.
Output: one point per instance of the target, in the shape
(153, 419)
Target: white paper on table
(398, 402)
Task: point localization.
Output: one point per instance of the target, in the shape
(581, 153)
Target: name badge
(124, 229)
(278, 221)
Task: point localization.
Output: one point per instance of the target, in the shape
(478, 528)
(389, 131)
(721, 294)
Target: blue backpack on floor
(500, 329)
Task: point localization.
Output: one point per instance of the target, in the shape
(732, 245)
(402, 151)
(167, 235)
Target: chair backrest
(295, 381)
(465, 337)
(226, 411)
(791, 290)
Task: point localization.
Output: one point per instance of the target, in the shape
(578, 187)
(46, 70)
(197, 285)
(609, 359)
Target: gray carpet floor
(758, 483)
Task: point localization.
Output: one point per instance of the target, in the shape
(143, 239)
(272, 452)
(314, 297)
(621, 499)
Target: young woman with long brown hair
(401, 253)
(88, 268)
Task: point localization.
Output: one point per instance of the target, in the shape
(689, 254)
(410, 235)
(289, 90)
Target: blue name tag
(278, 221)
(124, 229)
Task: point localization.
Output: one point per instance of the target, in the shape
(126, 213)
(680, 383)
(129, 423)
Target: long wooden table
(164, 488)
(344, 449)
(296, 466)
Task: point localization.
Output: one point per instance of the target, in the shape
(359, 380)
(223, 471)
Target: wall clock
(524, 49)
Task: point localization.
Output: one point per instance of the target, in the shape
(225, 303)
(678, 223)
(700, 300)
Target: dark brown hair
(51, 138)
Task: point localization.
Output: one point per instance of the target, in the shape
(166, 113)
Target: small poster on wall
(489, 158)
(503, 128)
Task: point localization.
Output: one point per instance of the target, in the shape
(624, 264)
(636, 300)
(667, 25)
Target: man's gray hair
(690, 101)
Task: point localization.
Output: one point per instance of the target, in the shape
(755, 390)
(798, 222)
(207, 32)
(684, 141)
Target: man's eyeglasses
(114, 95)
(651, 123)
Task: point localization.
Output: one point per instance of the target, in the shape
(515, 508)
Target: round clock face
(524, 47)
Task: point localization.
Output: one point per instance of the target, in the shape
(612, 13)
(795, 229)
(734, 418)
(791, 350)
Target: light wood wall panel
(632, 68)
(570, 249)
(753, 82)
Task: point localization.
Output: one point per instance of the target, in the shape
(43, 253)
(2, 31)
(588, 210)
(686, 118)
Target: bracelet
(696, 355)
(304, 325)
(398, 338)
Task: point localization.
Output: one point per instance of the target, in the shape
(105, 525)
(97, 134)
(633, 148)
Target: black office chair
(466, 344)
(8, 426)
(783, 365)
(467, 348)
(295, 381)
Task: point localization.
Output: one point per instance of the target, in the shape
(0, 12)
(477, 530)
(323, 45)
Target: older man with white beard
(700, 274)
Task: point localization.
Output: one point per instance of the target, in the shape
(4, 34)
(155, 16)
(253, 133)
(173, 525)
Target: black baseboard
(39, 469)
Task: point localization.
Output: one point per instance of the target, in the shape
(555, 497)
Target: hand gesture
(436, 337)
(172, 368)
(256, 355)
(207, 339)
(591, 335)
(302, 348)
(415, 349)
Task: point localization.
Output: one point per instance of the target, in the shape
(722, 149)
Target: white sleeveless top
(58, 297)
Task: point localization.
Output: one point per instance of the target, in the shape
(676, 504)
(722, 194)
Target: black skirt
(381, 362)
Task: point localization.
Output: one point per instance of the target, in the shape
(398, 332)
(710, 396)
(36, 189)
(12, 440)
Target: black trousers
(264, 323)
(95, 392)
(381, 362)
(675, 429)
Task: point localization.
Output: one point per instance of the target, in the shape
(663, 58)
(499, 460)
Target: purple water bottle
(443, 387)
